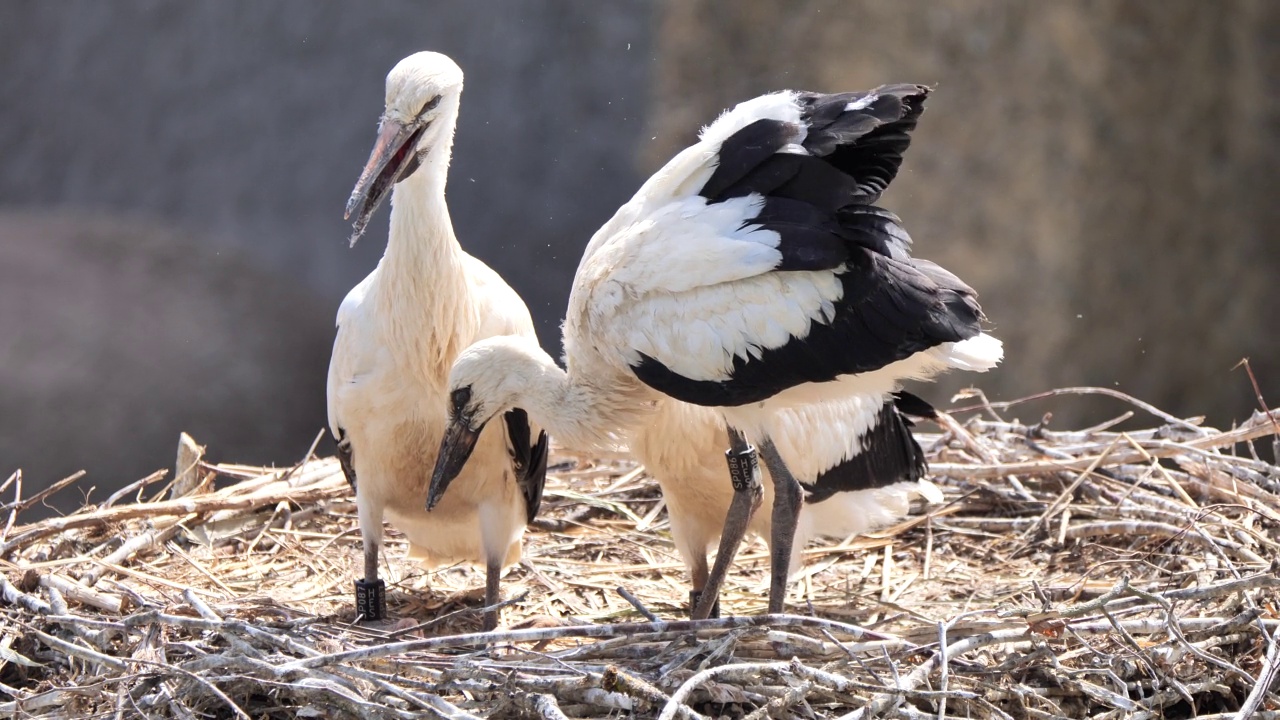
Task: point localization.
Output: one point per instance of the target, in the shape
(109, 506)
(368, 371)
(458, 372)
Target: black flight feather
(890, 453)
(890, 309)
(528, 459)
(346, 458)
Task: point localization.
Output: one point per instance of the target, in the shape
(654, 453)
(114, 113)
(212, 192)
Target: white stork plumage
(399, 331)
(752, 274)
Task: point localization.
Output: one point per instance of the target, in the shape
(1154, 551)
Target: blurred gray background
(172, 177)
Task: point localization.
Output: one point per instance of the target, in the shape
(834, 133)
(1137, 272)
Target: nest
(1094, 573)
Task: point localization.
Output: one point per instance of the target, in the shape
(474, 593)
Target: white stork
(752, 273)
(399, 331)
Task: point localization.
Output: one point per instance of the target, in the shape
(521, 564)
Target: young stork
(753, 273)
(399, 331)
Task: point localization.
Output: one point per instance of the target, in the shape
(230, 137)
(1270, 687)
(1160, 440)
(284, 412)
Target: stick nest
(1094, 573)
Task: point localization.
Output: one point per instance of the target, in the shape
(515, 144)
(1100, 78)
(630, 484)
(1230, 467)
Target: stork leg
(748, 492)
(492, 592)
(787, 500)
(371, 592)
(698, 571)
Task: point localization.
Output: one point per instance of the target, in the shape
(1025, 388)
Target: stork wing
(352, 357)
(886, 453)
(528, 460)
(777, 271)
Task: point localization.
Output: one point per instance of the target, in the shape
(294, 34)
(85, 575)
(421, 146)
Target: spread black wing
(818, 202)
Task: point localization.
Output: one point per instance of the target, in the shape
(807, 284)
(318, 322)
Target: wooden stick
(83, 595)
(334, 487)
(126, 551)
(1248, 431)
(14, 596)
(186, 471)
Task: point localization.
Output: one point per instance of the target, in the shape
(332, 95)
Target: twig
(1177, 633)
(182, 506)
(20, 505)
(83, 595)
(615, 680)
(1064, 498)
(793, 695)
(131, 546)
(134, 486)
(546, 707)
(669, 711)
(1247, 431)
(639, 606)
(441, 620)
(1109, 392)
(90, 656)
(186, 469)
(1266, 679)
(14, 596)
(16, 478)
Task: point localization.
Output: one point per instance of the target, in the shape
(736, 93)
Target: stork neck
(581, 413)
(422, 284)
(421, 230)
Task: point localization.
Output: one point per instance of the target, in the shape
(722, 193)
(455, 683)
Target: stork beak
(394, 158)
(455, 450)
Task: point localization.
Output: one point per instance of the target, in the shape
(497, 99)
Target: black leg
(492, 593)
(695, 596)
(747, 495)
(787, 499)
(699, 573)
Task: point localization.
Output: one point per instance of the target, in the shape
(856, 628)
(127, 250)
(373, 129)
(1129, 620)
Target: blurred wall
(1104, 172)
(234, 129)
(118, 333)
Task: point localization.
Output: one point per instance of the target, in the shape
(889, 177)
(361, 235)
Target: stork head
(422, 106)
(489, 378)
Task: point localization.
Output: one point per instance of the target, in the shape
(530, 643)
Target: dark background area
(172, 177)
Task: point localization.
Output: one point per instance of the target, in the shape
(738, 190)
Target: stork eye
(431, 105)
(460, 398)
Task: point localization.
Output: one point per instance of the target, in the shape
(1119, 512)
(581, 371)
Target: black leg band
(742, 467)
(371, 599)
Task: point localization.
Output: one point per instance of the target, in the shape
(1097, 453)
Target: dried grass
(1080, 574)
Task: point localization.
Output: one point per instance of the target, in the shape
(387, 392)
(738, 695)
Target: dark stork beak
(455, 450)
(394, 158)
